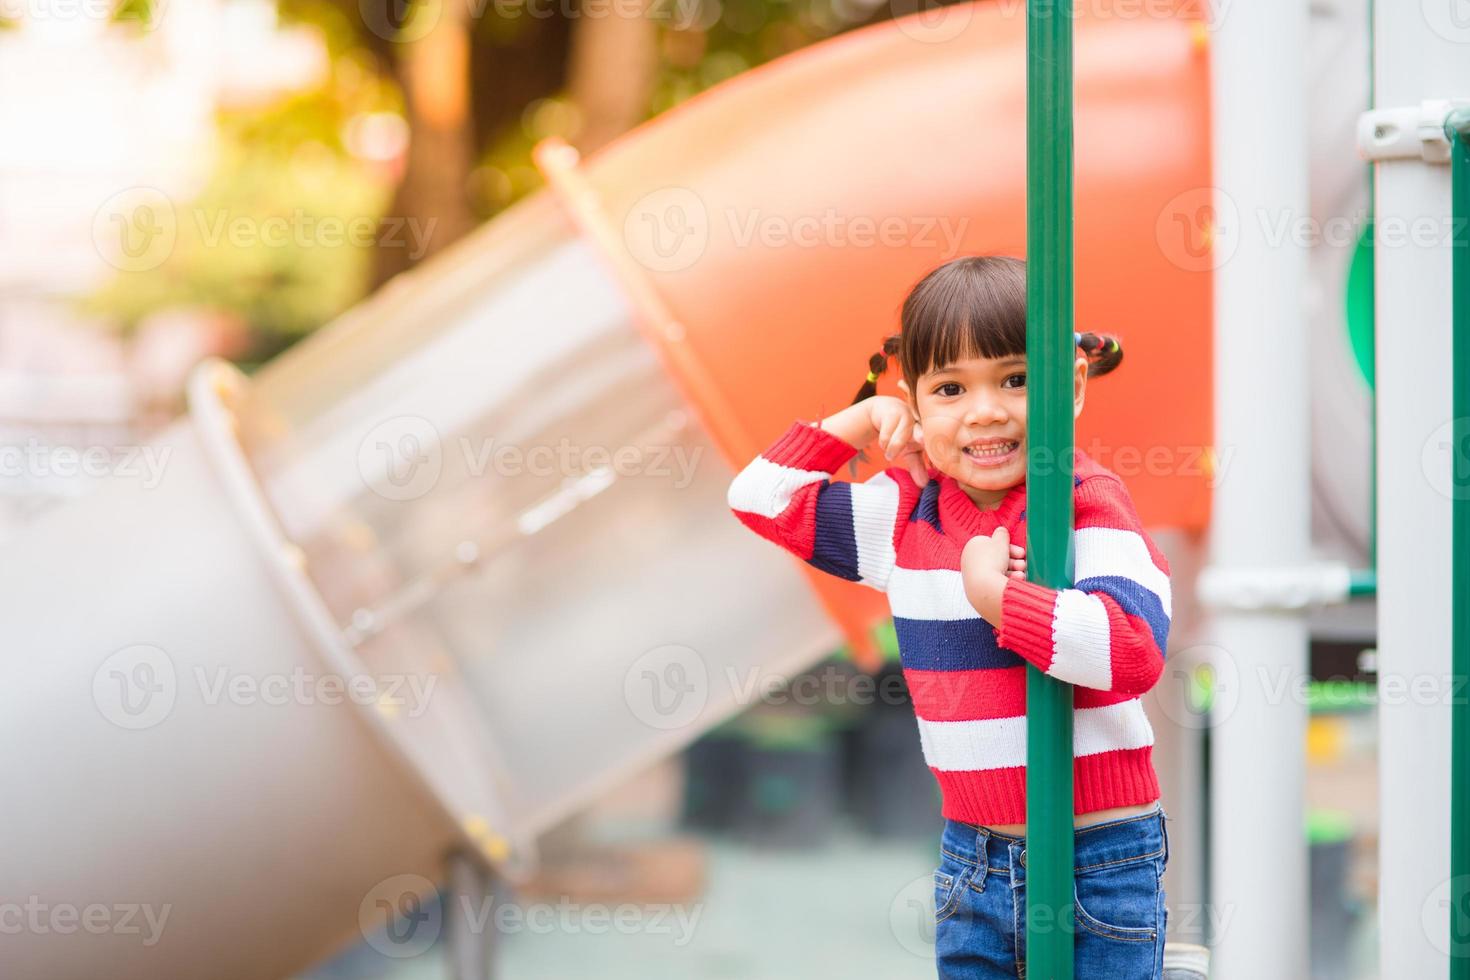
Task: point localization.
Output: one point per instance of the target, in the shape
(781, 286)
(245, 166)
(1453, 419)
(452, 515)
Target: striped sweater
(968, 683)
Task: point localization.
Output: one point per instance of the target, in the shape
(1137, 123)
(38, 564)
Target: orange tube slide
(767, 231)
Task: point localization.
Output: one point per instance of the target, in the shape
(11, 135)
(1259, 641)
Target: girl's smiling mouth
(992, 452)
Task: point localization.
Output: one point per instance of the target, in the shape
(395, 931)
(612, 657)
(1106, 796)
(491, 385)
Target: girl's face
(973, 415)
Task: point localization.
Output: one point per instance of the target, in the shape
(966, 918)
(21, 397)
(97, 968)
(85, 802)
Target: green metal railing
(1457, 128)
(1050, 351)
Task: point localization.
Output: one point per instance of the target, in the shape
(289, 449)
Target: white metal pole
(1419, 55)
(1262, 505)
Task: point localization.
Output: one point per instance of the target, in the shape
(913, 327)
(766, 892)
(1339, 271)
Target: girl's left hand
(995, 551)
(988, 554)
(985, 562)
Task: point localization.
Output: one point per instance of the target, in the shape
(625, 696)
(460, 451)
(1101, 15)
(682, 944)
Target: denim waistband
(1135, 838)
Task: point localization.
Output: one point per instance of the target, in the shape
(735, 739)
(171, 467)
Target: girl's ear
(1079, 386)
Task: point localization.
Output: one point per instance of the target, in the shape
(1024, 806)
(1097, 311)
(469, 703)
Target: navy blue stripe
(950, 644)
(1135, 600)
(927, 507)
(834, 547)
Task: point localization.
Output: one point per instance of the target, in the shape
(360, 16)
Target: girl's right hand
(899, 434)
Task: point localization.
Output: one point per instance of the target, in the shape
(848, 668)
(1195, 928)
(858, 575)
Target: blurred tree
(613, 59)
(282, 237)
(426, 123)
(432, 66)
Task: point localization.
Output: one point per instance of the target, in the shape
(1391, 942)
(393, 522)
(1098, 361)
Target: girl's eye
(948, 384)
(1019, 379)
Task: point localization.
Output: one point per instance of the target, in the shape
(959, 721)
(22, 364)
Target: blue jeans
(980, 901)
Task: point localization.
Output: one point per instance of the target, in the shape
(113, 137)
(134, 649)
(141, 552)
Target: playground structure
(325, 514)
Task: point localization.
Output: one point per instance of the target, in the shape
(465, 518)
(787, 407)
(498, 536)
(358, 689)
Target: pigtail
(1103, 351)
(877, 364)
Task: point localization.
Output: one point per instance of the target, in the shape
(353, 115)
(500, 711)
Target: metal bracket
(1274, 589)
(1407, 132)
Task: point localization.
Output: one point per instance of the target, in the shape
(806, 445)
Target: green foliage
(258, 241)
(705, 42)
(135, 12)
(282, 234)
(701, 43)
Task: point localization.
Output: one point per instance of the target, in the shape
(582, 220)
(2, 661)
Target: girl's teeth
(993, 451)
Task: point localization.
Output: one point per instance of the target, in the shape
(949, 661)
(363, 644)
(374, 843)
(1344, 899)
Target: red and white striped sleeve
(850, 530)
(1110, 630)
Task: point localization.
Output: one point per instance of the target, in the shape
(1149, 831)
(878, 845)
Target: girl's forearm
(852, 425)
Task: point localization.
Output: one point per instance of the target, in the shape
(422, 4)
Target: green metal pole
(1457, 127)
(1050, 352)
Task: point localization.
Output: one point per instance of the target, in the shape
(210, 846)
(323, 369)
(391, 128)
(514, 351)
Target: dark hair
(971, 306)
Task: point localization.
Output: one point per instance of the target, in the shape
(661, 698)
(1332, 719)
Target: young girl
(945, 543)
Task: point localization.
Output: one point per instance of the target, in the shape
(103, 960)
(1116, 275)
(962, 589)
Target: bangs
(970, 307)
